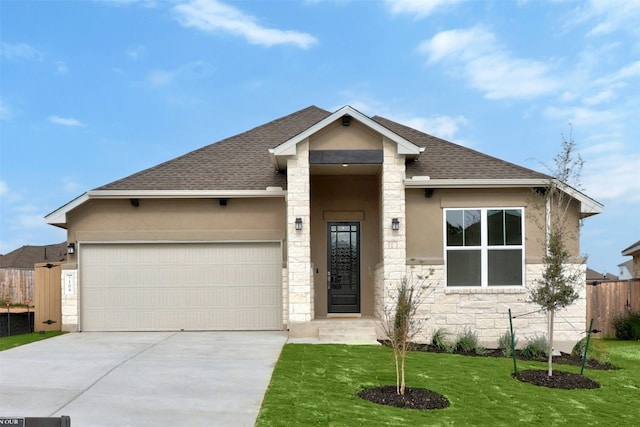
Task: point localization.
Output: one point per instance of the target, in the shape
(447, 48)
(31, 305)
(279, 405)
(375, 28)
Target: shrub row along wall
(16, 323)
(610, 299)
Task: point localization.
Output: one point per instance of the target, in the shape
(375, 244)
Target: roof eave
(59, 216)
(588, 206)
(631, 249)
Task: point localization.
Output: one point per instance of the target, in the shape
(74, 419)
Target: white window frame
(484, 247)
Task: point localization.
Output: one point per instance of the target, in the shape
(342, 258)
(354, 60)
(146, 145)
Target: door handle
(328, 280)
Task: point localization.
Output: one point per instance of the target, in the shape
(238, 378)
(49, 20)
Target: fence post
(513, 345)
(28, 316)
(8, 319)
(586, 347)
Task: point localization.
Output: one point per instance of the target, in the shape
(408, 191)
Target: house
(594, 276)
(17, 270)
(633, 265)
(624, 270)
(313, 217)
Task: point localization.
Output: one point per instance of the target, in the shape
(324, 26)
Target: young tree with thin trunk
(401, 324)
(558, 287)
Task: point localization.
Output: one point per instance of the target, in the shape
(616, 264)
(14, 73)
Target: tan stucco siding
(425, 220)
(352, 137)
(178, 219)
(345, 198)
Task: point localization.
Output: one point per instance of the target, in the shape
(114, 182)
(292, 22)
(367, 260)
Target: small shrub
(504, 343)
(596, 350)
(627, 326)
(467, 342)
(440, 340)
(535, 347)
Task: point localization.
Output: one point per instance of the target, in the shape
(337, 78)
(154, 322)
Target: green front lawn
(17, 340)
(315, 385)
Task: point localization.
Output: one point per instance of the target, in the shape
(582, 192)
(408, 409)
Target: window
(484, 247)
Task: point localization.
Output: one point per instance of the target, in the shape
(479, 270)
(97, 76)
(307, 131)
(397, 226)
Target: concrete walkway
(141, 379)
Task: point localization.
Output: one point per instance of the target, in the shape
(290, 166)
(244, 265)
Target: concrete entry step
(337, 330)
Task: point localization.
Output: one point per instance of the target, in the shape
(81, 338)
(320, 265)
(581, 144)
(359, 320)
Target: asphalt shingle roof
(242, 162)
(27, 256)
(446, 160)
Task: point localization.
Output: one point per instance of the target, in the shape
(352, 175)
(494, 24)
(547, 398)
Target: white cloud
(445, 127)
(16, 51)
(600, 97)
(475, 55)
(144, 3)
(61, 67)
(462, 45)
(30, 221)
(66, 121)
(135, 52)
(161, 77)
(611, 16)
(192, 70)
(3, 188)
(612, 174)
(419, 8)
(5, 111)
(212, 16)
(627, 72)
(581, 116)
(71, 186)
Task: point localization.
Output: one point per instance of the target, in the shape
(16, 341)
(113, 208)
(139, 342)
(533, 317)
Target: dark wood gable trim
(332, 157)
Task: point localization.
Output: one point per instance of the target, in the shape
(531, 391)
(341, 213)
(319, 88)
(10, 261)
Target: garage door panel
(225, 286)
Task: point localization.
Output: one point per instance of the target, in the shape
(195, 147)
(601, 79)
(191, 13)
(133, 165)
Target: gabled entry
(343, 270)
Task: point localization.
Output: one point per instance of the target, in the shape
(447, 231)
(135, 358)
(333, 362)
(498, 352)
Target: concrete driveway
(141, 379)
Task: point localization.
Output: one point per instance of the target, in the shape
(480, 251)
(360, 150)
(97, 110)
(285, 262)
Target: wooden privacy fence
(16, 284)
(609, 299)
(48, 298)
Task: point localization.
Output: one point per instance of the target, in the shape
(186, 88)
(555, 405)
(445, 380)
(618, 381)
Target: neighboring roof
(632, 250)
(594, 275)
(27, 256)
(627, 264)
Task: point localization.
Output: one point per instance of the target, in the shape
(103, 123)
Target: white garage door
(174, 286)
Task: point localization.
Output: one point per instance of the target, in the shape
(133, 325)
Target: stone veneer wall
(285, 296)
(378, 291)
(69, 303)
(486, 311)
(394, 242)
(299, 241)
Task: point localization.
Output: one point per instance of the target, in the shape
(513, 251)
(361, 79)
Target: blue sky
(92, 91)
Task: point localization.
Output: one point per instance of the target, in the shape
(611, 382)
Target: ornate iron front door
(343, 281)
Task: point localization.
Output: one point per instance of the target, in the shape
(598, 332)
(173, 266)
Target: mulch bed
(563, 380)
(559, 379)
(413, 398)
(563, 358)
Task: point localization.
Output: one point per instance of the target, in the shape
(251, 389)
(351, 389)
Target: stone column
(394, 249)
(299, 241)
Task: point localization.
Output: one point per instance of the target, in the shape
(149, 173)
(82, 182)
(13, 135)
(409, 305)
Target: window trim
(484, 247)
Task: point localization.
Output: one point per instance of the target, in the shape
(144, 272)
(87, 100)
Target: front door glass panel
(344, 267)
